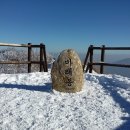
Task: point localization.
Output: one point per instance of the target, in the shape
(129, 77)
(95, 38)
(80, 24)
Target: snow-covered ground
(27, 102)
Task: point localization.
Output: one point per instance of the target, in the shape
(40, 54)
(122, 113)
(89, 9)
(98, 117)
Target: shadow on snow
(109, 85)
(45, 88)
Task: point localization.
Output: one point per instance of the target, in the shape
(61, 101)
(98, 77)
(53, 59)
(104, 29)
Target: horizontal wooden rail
(21, 62)
(117, 48)
(89, 56)
(42, 62)
(14, 45)
(14, 62)
(112, 48)
(110, 64)
(37, 46)
(20, 45)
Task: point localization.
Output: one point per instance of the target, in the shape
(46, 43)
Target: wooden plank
(14, 45)
(102, 58)
(87, 68)
(14, 62)
(36, 46)
(18, 45)
(37, 62)
(86, 58)
(21, 62)
(110, 64)
(97, 48)
(112, 48)
(117, 48)
(41, 57)
(91, 59)
(29, 57)
(45, 59)
(43, 63)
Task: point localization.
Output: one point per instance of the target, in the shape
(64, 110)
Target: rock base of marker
(67, 72)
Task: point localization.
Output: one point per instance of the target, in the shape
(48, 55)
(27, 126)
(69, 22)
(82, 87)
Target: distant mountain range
(119, 70)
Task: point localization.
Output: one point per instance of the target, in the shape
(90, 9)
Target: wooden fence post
(102, 58)
(29, 57)
(45, 59)
(87, 68)
(91, 59)
(41, 58)
(86, 58)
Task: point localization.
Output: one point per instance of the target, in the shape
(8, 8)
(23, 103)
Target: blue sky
(62, 24)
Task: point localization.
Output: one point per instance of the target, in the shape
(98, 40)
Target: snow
(27, 102)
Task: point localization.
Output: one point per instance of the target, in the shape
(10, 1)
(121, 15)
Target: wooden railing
(42, 61)
(88, 65)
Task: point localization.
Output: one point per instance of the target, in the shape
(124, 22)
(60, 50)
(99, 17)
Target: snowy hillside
(12, 54)
(27, 102)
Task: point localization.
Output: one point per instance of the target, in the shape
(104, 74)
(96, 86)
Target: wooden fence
(42, 61)
(88, 65)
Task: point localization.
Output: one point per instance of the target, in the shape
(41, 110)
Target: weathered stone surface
(67, 72)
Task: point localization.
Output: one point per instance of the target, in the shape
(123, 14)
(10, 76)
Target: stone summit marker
(67, 72)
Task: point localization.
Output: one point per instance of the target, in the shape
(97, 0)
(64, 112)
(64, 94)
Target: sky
(63, 24)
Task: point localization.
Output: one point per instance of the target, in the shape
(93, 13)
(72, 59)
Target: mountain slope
(119, 70)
